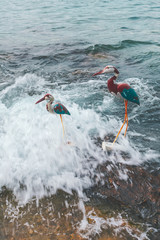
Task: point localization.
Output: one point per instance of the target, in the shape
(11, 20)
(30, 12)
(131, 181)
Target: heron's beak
(40, 100)
(98, 73)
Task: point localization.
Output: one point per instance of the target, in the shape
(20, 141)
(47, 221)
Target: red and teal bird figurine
(56, 108)
(121, 90)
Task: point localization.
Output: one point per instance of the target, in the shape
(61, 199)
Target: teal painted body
(130, 95)
(61, 109)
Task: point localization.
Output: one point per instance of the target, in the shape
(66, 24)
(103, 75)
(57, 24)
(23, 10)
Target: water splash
(34, 159)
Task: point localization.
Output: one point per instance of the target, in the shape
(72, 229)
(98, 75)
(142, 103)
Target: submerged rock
(101, 56)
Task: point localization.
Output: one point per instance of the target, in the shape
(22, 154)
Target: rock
(140, 192)
(101, 56)
(79, 71)
(90, 220)
(30, 231)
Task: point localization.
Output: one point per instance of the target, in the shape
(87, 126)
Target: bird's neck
(111, 85)
(48, 106)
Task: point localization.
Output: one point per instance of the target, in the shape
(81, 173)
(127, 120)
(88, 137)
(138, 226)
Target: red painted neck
(111, 85)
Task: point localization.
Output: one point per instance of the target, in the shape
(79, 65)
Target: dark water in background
(55, 47)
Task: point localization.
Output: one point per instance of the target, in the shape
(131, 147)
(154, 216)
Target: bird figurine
(56, 108)
(121, 90)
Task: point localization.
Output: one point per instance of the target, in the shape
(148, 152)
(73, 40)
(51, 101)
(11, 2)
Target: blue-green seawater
(55, 47)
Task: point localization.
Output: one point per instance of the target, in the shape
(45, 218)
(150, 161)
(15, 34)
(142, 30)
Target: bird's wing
(59, 108)
(130, 95)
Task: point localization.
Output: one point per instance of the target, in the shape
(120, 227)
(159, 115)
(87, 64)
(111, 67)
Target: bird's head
(47, 97)
(108, 69)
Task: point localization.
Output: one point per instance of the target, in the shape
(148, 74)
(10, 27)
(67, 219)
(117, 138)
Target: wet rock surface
(60, 217)
(139, 192)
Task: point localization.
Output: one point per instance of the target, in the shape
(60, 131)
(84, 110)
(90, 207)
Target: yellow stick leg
(126, 117)
(119, 131)
(62, 125)
(126, 126)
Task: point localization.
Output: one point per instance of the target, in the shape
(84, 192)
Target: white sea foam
(32, 151)
(117, 224)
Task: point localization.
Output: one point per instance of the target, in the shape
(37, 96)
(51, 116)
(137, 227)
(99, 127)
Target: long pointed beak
(40, 100)
(100, 72)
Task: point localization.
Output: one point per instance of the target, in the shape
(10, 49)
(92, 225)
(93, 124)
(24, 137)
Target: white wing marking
(114, 94)
(119, 95)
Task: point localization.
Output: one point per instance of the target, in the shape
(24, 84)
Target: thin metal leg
(125, 118)
(62, 124)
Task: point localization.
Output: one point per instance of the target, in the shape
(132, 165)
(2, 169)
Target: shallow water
(55, 47)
